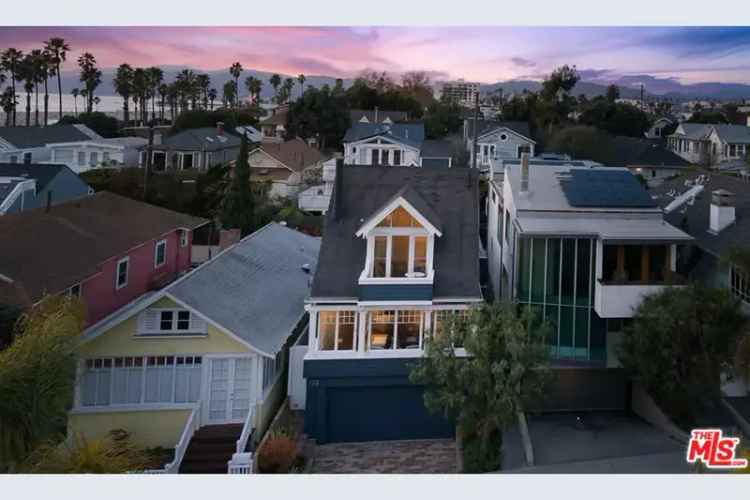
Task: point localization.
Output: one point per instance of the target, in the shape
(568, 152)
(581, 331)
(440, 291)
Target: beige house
(284, 165)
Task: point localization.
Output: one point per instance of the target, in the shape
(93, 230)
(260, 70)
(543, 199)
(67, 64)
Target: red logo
(714, 450)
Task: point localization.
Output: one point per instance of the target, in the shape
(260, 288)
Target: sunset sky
(486, 54)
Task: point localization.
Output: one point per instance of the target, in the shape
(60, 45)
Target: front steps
(210, 449)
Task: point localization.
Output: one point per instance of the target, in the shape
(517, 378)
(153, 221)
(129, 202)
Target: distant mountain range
(629, 85)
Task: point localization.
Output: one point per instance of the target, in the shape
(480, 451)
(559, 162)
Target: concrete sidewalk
(657, 463)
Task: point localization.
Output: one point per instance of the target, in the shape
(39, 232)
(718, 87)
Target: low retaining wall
(645, 407)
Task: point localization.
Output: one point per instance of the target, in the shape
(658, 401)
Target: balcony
(629, 274)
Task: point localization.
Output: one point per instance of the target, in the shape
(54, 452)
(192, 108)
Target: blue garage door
(380, 414)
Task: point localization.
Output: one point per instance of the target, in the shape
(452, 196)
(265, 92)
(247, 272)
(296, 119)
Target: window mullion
(388, 251)
(395, 328)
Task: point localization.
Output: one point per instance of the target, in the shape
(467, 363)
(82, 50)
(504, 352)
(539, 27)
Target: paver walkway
(428, 456)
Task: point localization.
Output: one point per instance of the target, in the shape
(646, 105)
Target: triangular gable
(385, 136)
(269, 155)
(414, 204)
(508, 130)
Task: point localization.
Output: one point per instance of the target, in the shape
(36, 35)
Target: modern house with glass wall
(582, 246)
(400, 251)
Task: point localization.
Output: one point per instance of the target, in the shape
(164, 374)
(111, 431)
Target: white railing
(242, 461)
(192, 425)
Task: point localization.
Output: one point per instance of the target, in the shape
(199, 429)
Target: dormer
(400, 242)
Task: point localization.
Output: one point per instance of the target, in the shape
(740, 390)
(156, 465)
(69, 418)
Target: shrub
(278, 454)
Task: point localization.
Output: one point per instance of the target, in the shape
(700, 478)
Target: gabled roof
(733, 134)
(395, 116)
(450, 194)
(487, 126)
(254, 290)
(34, 137)
(199, 139)
(411, 134)
(628, 151)
(42, 173)
(295, 154)
(694, 131)
(48, 251)
(415, 205)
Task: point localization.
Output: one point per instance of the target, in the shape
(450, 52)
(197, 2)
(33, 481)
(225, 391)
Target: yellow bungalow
(202, 360)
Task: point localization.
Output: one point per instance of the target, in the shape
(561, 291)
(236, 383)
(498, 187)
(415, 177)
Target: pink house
(107, 249)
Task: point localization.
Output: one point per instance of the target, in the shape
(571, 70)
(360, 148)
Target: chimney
(228, 237)
(337, 187)
(219, 128)
(722, 211)
(524, 172)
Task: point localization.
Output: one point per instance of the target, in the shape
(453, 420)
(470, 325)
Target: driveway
(428, 456)
(595, 442)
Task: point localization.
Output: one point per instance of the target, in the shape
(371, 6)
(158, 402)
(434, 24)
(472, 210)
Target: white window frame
(159, 243)
(126, 261)
(337, 324)
(412, 234)
(197, 327)
(396, 313)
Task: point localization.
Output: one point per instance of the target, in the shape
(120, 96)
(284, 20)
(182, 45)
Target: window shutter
(148, 321)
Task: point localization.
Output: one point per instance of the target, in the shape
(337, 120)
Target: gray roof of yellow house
(257, 288)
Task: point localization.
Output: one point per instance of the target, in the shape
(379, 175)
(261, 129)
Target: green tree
(75, 93)
(236, 70)
(228, 94)
(442, 119)
(91, 77)
(123, 83)
(613, 93)
(321, 114)
(301, 79)
(708, 116)
(238, 207)
(58, 50)
(275, 82)
(37, 376)
(254, 86)
(10, 61)
(99, 122)
(483, 392)
(615, 118)
(680, 343)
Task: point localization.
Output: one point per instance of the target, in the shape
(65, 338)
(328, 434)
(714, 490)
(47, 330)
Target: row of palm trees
(31, 70)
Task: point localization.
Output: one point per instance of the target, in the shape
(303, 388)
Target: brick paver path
(429, 456)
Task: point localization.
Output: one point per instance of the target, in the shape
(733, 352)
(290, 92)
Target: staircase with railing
(242, 460)
(192, 425)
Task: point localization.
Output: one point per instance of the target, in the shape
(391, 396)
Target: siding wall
(147, 428)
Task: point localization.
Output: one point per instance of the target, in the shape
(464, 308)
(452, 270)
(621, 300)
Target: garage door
(579, 389)
(380, 414)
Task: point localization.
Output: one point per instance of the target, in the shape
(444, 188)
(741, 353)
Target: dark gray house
(197, 148)
(399, 253)
(27, 186)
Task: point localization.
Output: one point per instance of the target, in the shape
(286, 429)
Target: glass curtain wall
(556, 277)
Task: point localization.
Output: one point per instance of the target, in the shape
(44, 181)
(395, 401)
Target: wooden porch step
(210, 449)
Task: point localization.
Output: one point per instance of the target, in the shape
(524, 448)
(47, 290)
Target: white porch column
(312, 337)
(673, 257)
(599, 259)
(361, 330)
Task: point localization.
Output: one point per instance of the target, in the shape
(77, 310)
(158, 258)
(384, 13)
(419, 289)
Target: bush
(277, 455)
(478, 458)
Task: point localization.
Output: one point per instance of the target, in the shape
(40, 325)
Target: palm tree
(228, 93)
(123, 82)
(275, 81)
(58, 49)
(212, 94)
(26, 74)
(38, 72)
(286, 90)
(140, 93)
(203, 82)
(91, 77)
(75, 92)
(8, 103)
(236, 70)
(10, 60)
(173, 93)
(301, 79)
(188, 89)
(155, 77)
(47, 69)
(253, 87)
(163, 93)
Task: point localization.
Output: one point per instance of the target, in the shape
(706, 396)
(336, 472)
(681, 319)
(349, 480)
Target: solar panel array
(603, 188)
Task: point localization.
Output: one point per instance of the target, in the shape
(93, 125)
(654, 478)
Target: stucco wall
(147, 428)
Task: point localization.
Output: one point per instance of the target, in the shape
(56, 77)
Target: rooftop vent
(306, 268)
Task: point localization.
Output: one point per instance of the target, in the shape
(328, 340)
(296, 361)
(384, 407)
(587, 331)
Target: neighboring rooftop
(604, 188)
(48, 251)
(200, 139)
(295, 153)
(625, 151)
(377, 115)
(257, 288)
(411, 134)
(486, 126)
(694, 218)
(733, 134)
(278, 116)
(694, 131)
(42, 173)
(131, 141)
(36, 137)
(449, 197)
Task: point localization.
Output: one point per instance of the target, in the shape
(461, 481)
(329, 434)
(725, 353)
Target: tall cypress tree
(238, 209)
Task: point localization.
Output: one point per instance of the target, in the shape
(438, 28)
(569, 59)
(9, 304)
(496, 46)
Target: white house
(398, 144)
(30, 144)
(710, 144)
(85, 155)
(656, 129)
(497, 140)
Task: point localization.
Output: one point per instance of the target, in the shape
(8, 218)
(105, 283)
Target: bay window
(134, 380)
(337, 330)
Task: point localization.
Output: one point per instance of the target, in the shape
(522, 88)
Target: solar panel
(602, 188)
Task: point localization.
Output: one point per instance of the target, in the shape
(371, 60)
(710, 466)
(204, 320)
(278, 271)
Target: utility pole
(147, 167)
(476, 118)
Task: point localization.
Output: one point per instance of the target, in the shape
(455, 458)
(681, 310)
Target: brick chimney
(228, 237)
(722, 211)
(219, 128)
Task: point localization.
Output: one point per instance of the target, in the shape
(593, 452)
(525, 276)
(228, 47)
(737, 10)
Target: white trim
(284, 165)
(156, 253)
(117, 273)
(83, 410)
(375, 219)
(508, 129)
